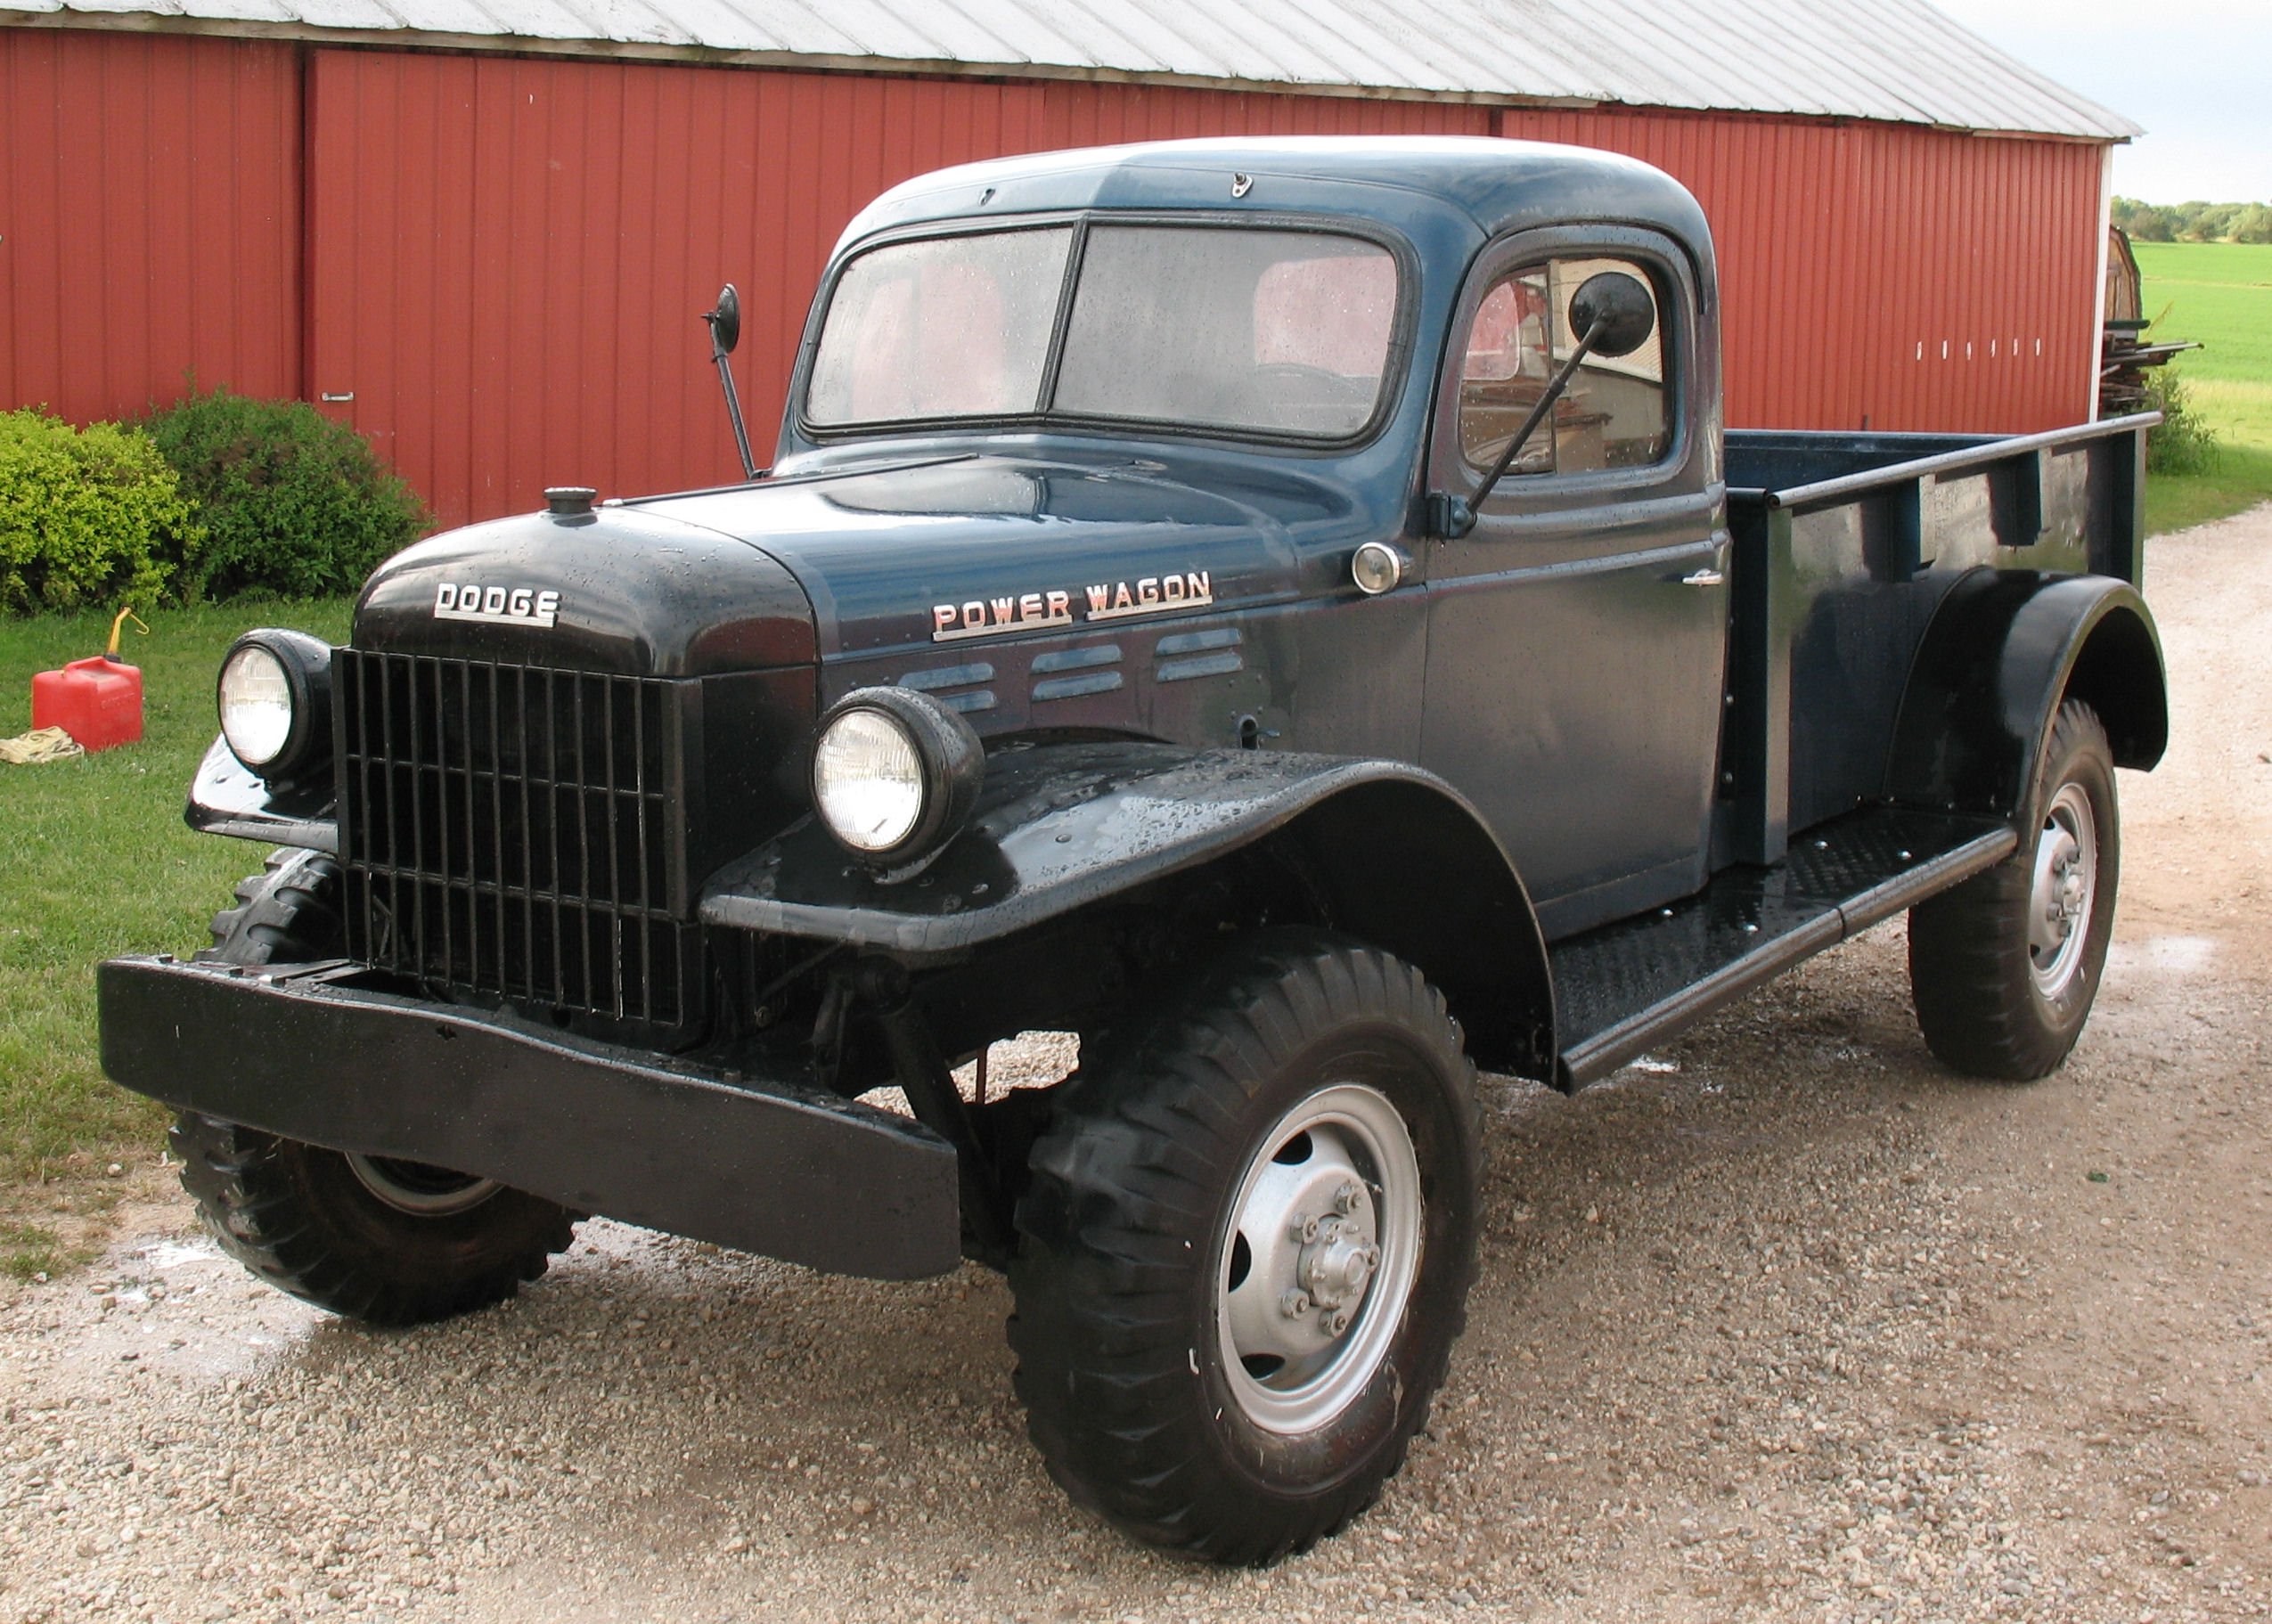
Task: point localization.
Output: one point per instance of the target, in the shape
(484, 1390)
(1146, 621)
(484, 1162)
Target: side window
(1615, 413)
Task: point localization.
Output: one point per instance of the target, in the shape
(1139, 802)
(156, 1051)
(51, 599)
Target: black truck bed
(1843, 546)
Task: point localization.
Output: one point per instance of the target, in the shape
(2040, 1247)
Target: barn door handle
(330, 399)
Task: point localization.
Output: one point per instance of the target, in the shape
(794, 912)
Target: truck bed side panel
(1842, 558)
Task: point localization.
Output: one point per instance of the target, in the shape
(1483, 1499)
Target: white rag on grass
(46, 745)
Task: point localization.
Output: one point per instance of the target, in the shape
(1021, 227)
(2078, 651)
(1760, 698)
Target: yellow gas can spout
(124, 616)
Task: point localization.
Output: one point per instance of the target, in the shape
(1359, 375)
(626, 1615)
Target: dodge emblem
(515, 606)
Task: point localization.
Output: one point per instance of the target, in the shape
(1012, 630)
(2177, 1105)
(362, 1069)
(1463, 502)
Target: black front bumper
(761, 1164)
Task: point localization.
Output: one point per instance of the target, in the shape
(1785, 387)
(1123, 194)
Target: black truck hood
(973, 546)
(848, 563)
(618, 590)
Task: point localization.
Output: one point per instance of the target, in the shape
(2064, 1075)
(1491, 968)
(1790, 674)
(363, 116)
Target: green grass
(94, 859)
(2220, 293)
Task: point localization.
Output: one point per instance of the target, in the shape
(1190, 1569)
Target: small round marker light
(1376, 567)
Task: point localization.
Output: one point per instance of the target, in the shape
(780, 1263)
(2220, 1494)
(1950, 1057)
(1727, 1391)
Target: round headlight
(255, 705)
(275, 701)
(869, 781)
(894, 773)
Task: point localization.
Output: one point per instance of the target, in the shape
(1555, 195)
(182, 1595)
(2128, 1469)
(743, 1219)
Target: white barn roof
(1896, 61)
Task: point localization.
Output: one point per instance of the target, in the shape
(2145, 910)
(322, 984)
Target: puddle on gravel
(184, 1308)
(2165, 955)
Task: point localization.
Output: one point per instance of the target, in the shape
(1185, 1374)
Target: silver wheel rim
(2065, 885)
(419, 1190)
(1318, 1258)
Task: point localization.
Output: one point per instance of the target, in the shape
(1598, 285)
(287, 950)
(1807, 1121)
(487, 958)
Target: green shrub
(86, 516)
(292, 503)
(2182, 442)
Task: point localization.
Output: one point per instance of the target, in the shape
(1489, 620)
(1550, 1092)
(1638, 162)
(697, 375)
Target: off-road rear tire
(387, 1241)
(1163, 1389)
(2004, 968)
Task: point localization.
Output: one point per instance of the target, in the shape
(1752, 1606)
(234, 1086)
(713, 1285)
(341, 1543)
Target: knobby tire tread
(258, 1193)
(1101, 1331)
(1970, 973)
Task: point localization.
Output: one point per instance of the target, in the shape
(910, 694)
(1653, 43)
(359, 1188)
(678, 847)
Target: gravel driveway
(1785, 1322)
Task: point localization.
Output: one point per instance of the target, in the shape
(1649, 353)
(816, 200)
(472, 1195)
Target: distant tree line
(2194, 222)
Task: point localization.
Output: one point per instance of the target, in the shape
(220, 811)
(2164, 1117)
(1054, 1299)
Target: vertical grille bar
(391, 776)
(473, 836)
(497, 832)
(439, 752)
(552, 782)
(645, 850)
(615, 845)
(527, 828)
(583, 793)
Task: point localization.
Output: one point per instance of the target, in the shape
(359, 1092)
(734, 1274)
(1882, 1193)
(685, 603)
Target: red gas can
(98, 702)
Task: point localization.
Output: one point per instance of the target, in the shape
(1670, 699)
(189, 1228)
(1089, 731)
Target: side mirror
(725, 332)
(725, 321)
(1615, 308)
(1611, 313)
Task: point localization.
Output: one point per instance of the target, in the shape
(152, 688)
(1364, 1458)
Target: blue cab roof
(1410, 183)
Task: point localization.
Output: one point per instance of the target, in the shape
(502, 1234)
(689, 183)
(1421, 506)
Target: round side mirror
(1617, 309)
(725, 321)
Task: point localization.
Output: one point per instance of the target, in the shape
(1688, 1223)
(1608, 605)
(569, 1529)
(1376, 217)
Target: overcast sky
(2196, 73)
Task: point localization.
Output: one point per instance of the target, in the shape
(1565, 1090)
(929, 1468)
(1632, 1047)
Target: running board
(1625, 986)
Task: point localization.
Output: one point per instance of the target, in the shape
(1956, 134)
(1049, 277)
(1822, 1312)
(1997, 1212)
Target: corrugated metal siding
(1076, 114)
(1895, 60)
(149, 219)
(506, 257)
(1901, 278)
(510, 255)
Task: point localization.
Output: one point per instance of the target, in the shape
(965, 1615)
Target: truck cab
(1286, 615)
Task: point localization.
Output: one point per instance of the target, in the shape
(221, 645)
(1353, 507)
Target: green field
(2220, 293)
(96, 860)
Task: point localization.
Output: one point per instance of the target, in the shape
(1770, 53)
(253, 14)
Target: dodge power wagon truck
(1287, 613)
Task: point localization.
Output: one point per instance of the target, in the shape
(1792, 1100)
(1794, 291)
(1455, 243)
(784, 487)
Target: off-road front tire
(375, 1239)
(2004, 968)
(1246, 1251)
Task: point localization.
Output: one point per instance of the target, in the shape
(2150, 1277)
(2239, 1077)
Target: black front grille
(519, 831)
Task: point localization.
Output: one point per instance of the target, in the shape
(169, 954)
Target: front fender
(1057, 826)
(2004, 649)
(226, 797)
(1402, 861)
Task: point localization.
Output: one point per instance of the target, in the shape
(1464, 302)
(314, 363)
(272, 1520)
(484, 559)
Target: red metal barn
(487, 249)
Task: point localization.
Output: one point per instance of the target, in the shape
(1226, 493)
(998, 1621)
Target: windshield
(1240, 329)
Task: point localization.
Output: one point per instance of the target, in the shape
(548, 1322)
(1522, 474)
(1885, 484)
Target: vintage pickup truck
(1287, 613)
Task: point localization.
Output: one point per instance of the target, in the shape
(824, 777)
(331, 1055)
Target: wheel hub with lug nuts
(1322, 1249)
(2060, 898)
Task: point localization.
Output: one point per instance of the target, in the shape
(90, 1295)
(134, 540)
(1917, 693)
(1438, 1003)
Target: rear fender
(1398, 858)
(2005, 648)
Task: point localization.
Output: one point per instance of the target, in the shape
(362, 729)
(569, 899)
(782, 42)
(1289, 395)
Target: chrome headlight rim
(951, 768)
(304, 663)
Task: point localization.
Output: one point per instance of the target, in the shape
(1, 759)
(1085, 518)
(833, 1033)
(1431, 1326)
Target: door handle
(1706, 576)
(330, 399)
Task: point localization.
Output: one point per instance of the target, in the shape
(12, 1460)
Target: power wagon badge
(1106, 600)
(522, 606)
